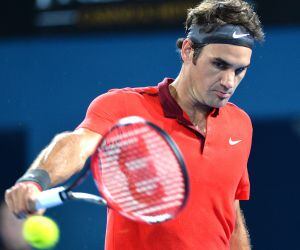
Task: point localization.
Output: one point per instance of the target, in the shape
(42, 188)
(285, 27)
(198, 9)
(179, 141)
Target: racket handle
(49, 198)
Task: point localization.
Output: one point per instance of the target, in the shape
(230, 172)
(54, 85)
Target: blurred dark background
(57, 55)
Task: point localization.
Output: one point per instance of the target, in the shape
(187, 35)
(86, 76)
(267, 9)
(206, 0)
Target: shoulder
(238, 116)
(118, 95)
(149, 90)
(237, 112)
(120, 100)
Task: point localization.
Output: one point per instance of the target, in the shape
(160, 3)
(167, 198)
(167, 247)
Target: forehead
(233, 54)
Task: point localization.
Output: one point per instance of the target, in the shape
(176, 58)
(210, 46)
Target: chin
(220, 104)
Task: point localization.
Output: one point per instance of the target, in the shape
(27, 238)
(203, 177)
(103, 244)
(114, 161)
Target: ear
(187, 51)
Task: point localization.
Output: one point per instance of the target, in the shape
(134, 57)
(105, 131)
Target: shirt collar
(170, 106)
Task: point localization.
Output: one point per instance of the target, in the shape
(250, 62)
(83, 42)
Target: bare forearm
(64, 156)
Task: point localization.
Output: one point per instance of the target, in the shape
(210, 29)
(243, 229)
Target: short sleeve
(103, 112)
(243, 189)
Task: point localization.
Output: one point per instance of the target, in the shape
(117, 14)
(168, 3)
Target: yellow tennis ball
(40, 232)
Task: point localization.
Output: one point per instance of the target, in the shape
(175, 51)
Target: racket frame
(127, 121)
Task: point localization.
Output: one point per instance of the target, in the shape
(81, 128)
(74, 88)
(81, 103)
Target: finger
(8, 199)
(13, 199)
(20, 197)
(30, 204)
(29, 198)
(34, 191)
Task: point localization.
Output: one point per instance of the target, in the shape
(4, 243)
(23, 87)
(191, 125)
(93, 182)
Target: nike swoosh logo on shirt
(236, 36)
(232, 143)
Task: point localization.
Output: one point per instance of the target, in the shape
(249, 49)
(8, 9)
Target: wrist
(39, 177)
(38, 186)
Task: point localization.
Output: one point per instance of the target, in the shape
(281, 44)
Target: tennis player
(213, 135)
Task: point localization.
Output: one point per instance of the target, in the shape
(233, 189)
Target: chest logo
(232, 142)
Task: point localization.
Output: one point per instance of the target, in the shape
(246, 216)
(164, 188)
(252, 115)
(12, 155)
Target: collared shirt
(216, 164)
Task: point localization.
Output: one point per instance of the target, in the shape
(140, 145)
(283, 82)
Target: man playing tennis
(213, 135)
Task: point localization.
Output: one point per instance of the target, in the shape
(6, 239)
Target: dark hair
(214, 13)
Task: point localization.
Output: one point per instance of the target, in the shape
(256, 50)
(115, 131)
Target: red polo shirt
(217, 167)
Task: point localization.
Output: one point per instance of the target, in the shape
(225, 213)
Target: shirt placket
(181, 120)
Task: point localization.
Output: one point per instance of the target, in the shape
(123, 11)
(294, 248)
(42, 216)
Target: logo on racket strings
(139, 169)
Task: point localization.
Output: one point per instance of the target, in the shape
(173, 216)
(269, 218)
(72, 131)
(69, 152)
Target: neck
(180, 91)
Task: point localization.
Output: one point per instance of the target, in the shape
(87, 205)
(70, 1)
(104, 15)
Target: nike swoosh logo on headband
(236, 36)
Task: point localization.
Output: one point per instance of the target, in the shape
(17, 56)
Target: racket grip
(49, 198)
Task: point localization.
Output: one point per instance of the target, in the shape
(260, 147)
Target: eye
(240, 70)
(220, 65)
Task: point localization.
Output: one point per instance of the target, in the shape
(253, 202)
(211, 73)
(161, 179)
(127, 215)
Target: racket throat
(85, 197)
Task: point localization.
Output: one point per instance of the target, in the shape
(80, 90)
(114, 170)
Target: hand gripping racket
(138, 170)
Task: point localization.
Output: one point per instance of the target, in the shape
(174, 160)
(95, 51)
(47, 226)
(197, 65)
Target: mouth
(222, 95)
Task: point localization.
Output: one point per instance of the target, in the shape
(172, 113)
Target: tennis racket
(138, 170)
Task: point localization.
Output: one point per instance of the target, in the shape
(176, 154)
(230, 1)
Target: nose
(228, 79)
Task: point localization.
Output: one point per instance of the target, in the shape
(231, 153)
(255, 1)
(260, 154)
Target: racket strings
(117, 188)
(122, 196)
(141, 173)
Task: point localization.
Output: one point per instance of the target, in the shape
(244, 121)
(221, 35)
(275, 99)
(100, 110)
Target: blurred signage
(23, 17)
(101, 14)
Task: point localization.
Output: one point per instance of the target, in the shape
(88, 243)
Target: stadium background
(56, 56)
